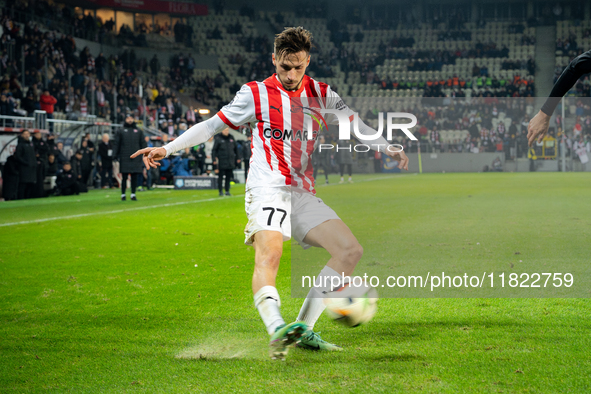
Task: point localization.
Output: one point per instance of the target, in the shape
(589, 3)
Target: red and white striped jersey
(281, 153)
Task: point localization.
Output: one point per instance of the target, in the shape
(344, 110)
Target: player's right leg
(268, 247)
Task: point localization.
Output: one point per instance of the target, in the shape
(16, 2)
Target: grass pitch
(99, 295)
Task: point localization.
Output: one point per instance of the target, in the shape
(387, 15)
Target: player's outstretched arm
(150, 156)
(196, 135)
(537, 127)
(400, 157)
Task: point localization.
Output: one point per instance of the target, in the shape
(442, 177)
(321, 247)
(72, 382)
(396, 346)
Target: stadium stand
(381, 66)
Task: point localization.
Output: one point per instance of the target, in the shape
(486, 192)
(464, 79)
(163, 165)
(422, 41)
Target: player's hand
(150, 155)
(537, 128)
(400, 157)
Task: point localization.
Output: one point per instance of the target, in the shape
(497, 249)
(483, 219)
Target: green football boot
(312, 341)
(285, 336)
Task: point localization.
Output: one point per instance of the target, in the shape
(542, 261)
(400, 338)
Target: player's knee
(356, 252)
(271, 257)
(351, 253)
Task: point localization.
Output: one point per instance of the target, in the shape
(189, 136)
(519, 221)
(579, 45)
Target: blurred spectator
(10, 178)
(47, 102)
(41, 151)
(129, 140)
(321, 159)
(344, 156)
(66, 182)
(27, 166)
(52, 168)
(225, 156)
(105, 152)
(155, 65)
(87, 162)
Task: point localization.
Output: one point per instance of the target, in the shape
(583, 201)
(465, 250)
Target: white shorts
(284, 210)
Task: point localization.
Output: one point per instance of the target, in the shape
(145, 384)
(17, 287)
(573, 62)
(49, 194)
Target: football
(352, 306)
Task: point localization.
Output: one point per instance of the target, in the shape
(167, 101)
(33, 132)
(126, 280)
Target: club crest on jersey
(311, 112)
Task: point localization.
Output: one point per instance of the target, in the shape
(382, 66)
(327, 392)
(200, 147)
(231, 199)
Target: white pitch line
(109, 212)
(81, 215)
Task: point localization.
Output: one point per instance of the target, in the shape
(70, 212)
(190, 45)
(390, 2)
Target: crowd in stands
(58, 78)
(568, 46)
(64, 18)
(487, 131)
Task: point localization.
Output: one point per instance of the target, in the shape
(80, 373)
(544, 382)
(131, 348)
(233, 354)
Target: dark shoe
(221, 194)
(228, 194)
(133, 198)
(122, 198)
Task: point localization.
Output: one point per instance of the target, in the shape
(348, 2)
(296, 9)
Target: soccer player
(280, 178)
(538, 125)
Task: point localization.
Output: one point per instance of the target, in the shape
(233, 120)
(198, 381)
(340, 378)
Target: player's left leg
(268, 246)
(345, 251)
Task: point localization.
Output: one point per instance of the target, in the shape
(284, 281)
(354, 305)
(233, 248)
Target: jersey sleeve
(334, 101)
(239, 111)
(578, 67)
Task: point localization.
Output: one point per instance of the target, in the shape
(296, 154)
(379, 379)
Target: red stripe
(257, 109)
(323, 90)
(313, 102)
(297, 123)
(276, 119)
(226, 121)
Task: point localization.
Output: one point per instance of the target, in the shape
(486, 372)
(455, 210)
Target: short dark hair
(292, 40)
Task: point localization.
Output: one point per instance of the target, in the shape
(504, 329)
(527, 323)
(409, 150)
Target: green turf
(159, 300)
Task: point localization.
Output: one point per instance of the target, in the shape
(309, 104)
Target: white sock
(267, 302)
(123, 195)
(314, 303)
(342, 179)
(349, 178)
(132, 195)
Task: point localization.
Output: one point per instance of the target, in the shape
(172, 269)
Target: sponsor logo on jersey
(290, 135)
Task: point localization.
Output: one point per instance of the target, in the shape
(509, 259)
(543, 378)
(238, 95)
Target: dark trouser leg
(25, 190)
(246, 167)
(350, 168)
(133, 183)
(110, 176)
(103, 176)
(325, 169)
(105, 172)
(22, 187)
(85, 175)
(67, 191)
(220, 179)
(39, 191)
(229, 176)
(341, 169)
(124, 182)
(72, 189)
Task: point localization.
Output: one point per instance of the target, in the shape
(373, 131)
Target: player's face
(291, 69)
